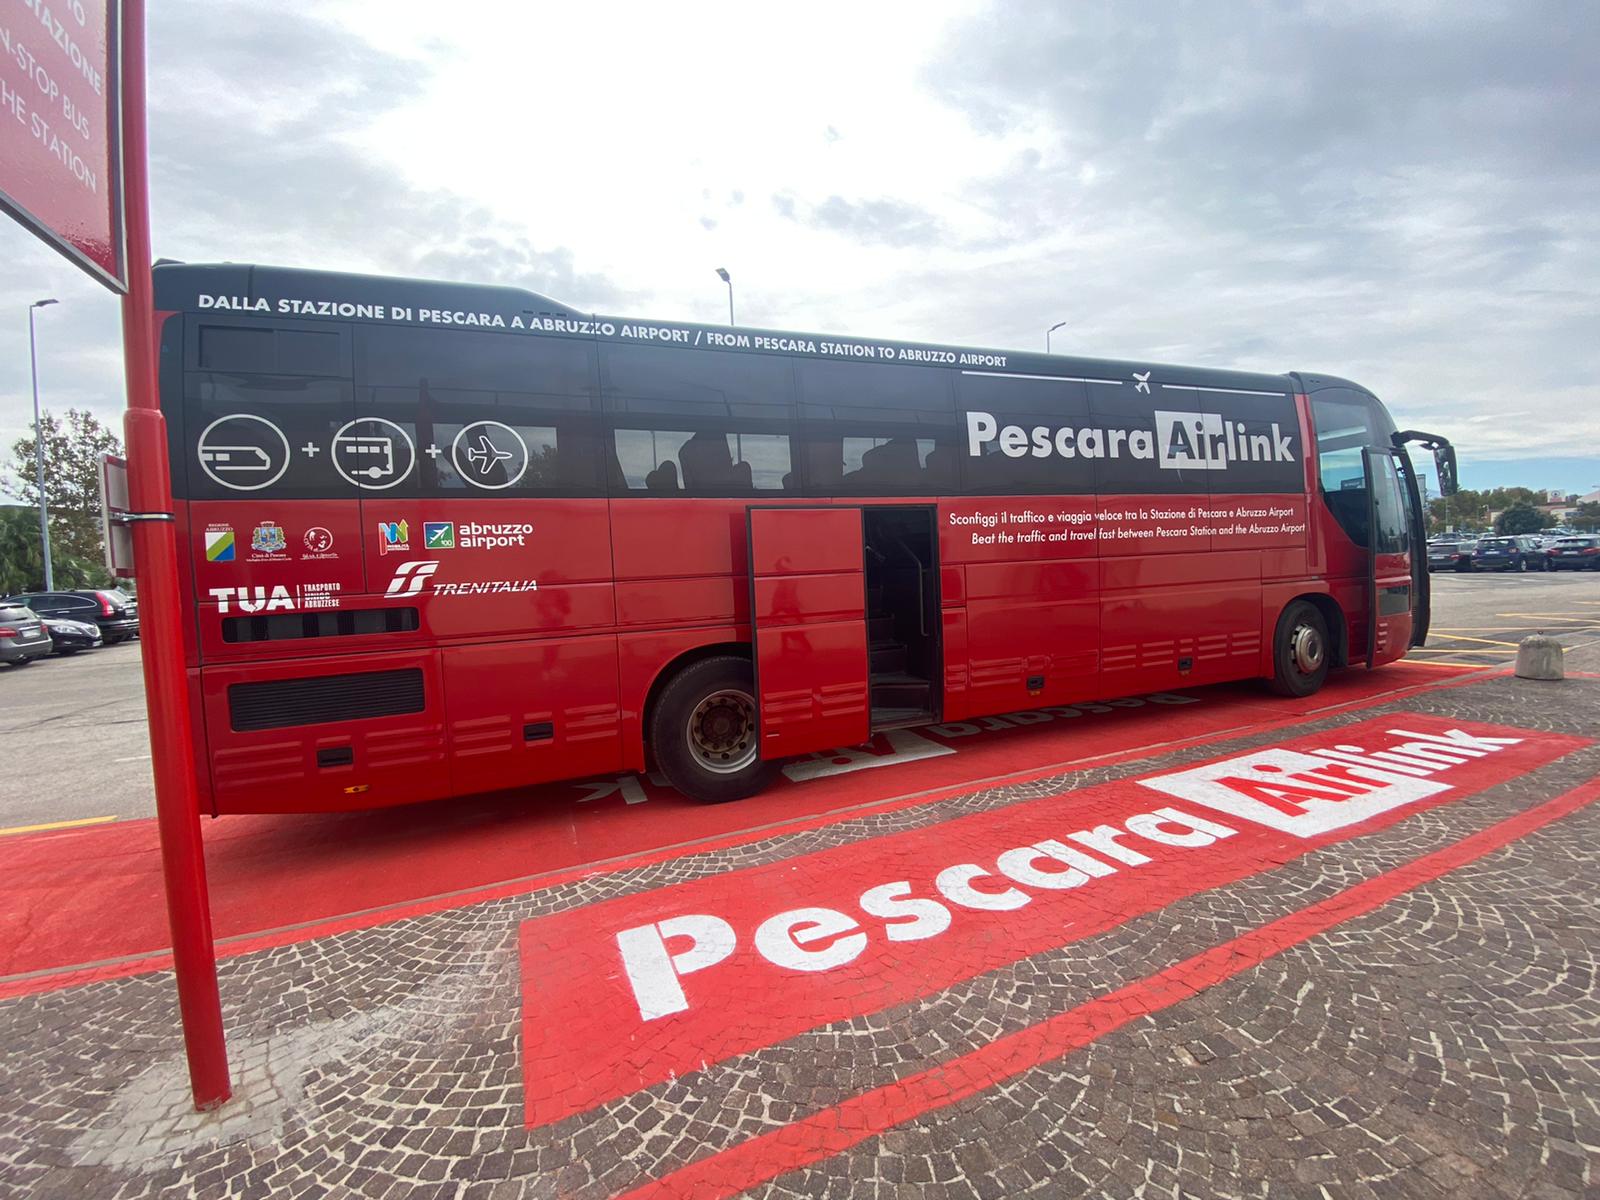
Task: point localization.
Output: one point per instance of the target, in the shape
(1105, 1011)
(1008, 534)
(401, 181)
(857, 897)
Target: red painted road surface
(629, 993)
(87, 896)
(835, 1129)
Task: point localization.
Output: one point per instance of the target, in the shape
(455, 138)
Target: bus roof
(262, 291)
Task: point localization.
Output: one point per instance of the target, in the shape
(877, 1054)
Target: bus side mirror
(1444, 456)
(1444, 465)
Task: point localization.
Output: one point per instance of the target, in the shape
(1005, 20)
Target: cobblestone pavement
(1444, 1043)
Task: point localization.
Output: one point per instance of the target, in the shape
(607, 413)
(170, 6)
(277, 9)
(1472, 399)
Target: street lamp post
(38, 449)
(722, 273)
(1048, 332)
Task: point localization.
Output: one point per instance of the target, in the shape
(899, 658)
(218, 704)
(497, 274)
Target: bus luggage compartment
(322, 734)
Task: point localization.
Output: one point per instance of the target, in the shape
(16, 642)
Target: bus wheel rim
(722, 731)
(1305, 645)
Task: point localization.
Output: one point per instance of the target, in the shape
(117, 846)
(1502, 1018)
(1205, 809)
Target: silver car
(22, 636)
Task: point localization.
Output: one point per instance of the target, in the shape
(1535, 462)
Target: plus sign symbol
(311, 449)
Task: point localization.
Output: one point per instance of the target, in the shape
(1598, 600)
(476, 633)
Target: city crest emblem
(268, 538)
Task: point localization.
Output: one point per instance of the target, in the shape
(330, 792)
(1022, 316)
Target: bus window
(702, 462)
(267, 350)
(697, 422)
(874, 430)
(1346, 421)
(490, 413)
(1393, 535)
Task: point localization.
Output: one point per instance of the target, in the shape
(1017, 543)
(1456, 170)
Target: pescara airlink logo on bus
(1181, 441)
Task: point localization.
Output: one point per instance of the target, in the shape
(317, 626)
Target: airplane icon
(1142, 383)
(486, 454)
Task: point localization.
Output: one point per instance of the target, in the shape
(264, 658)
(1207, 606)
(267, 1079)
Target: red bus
(447, 539)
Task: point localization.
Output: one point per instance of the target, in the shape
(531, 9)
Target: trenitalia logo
(410, 578)
(629, 992)
(1181, 441)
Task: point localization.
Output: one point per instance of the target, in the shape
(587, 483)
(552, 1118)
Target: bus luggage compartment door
(808, 612)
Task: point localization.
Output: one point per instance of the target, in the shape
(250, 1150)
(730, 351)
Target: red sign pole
(156, 561)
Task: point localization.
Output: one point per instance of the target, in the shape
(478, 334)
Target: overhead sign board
(61, 129)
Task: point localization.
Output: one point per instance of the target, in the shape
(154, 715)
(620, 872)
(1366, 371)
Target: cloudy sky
(1402, 193)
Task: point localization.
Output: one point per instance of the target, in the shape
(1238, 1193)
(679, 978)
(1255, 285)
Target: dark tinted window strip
(324, 699)
(283, 627)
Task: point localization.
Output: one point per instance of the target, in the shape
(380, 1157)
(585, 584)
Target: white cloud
(1410, 204)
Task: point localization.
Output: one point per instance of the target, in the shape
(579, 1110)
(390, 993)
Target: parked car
(1450, 555)
(1511, 553)
(1574, 553)
(116, 613)
(22, 635)
(68, 637)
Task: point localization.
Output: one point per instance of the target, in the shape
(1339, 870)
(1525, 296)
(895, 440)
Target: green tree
(1586, 516)
(1521, 517)
(22, 564)
(72, 452)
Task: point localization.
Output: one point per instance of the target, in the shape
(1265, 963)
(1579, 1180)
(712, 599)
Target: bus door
(1444, 461)
(808, 613)
(1390, 585)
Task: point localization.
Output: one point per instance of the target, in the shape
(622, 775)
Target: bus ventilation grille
(323, 699)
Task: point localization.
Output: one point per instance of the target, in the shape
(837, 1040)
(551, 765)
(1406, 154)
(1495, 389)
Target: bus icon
(373, 453)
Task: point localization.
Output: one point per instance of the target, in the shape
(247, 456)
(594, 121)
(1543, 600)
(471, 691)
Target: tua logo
(254, 599)
(1311, 794)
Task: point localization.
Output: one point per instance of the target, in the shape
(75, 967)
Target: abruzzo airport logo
(438, 535)
(1181, 441)
(630, 992)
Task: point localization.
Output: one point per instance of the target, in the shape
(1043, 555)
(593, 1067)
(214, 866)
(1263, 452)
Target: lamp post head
(722, 273)
(42, 303)
(1055, 327)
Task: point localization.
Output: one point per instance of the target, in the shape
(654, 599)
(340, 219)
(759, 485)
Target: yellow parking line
(1462, 637)
(1577, 618)
(55, 825)
(1423, 662)
(1454, 650)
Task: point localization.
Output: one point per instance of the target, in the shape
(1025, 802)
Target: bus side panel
(498, 567)
(531, 711)
(1031, 609)
(1031, 621)
(339, 760)
(1166, 620)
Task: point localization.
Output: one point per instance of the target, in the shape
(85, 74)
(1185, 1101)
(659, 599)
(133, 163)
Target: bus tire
(704, 733)
(1300, 651)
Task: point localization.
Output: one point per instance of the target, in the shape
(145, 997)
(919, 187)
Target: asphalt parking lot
(1109, 950)
(1479, 617)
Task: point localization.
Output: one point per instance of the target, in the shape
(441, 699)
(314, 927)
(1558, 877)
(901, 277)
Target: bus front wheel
(1299, 651)
(704, 732)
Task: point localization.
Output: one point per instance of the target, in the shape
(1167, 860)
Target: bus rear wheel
(705, 732)
(1299, 651)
